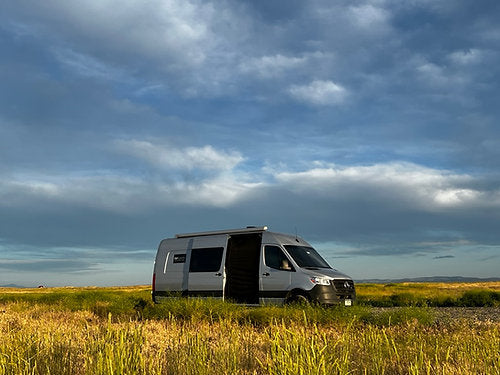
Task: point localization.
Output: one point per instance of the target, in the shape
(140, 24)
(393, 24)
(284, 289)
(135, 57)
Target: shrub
(479, 298)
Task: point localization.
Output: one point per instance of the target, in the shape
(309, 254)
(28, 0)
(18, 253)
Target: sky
(368, 127)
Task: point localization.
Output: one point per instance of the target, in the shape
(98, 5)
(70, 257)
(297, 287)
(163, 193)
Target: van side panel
(169, 266)
(206, 278)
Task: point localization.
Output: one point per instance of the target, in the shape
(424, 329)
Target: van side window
(275, 258)
(206, 259)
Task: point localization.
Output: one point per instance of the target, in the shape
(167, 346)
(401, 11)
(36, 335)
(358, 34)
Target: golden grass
(40, 340)
(61, 335)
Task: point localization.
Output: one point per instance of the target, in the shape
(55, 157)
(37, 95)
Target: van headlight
(320, 280)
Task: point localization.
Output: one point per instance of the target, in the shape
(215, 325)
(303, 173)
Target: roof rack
(249, 229)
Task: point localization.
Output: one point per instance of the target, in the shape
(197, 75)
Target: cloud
(172, 176)
(178, 31)
(48, 265)
(87, 66)
(319, 93)
(467, 57)
(277, 65)
(122, 194)
(373, 210)
(421, 187)
(189, 44)
(399, 186)
(167, 156)
(369, 17)
(441, 77)
(444, 257)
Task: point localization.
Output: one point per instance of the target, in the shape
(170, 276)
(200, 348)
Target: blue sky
(370, 128)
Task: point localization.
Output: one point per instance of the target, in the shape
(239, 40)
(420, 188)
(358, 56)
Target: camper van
(248, 266)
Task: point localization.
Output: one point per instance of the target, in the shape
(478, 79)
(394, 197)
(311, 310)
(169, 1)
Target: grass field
(430, 294)
(119, 331)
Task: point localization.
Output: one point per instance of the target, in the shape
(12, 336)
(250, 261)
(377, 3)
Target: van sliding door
(242, 268)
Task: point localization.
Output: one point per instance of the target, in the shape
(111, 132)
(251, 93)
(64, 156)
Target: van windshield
(306, 257)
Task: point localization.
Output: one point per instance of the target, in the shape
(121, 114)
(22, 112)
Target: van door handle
(266, 274)
(218, 274)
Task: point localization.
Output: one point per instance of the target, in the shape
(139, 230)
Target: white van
(248, 266)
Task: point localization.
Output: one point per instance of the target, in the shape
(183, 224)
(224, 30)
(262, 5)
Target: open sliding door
(242, 268)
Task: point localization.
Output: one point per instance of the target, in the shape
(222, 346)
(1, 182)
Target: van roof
(249, 229)
(270, 237)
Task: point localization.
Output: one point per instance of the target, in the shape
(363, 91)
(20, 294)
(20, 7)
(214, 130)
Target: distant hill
(431, 279)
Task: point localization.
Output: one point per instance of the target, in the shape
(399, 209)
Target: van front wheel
(297, 299)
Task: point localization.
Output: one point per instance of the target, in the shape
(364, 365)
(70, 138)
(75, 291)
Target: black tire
(298, 299)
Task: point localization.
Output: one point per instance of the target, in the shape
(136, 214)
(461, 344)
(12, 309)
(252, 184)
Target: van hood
(328, 272)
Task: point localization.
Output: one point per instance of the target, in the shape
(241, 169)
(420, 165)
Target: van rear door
(206, 266)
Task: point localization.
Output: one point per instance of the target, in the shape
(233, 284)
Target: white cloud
(370, 18)
(177, 29)
(118, 192)
(440, 76)
(320, 93)
(412, 185)
(456, 197)
(405, 185)
(468, 57)
(221, 191)
(275, 65)
(167, 156)
(122, 194)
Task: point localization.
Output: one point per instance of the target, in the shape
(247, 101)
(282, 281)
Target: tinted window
(275, 258)
(306, 256)
(206, 260)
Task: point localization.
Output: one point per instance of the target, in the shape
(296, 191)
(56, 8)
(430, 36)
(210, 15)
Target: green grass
(120, 302)
(136, 304)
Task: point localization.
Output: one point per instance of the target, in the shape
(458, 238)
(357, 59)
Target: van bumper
(328, 295)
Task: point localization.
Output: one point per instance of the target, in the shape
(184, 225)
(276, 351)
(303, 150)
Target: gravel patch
(455, 314)
(474, 314)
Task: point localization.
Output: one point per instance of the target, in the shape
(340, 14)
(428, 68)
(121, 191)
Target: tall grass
(120, 331)
(44, 341)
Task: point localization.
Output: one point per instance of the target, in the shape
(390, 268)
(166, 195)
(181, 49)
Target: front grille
(344, 286)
